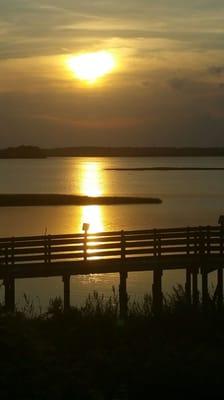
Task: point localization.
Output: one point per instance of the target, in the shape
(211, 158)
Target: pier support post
(220, 287)
(195, 286)
(157, 295)
(123, 297)
(188, 286)
(205, 297)
(66, 280)
(9, 284)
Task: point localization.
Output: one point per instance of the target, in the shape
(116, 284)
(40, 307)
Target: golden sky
(166, 87)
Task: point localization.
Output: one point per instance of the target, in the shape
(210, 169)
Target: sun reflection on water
(93, 216)
(91, 185)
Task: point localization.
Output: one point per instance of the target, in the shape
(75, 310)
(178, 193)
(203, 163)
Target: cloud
(181, 83)
(167, 92)
(217, 70)
(191, 85)
(37, 27)
(149, 115)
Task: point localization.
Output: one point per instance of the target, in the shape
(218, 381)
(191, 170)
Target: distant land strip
(22, 200)
(25, 151)
(167, 169)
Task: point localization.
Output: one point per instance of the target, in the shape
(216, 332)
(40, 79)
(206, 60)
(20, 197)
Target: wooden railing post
(6, 255)
(201, 242)
(155, 242)
(45, 249)
(195, 243)
(123, 246)
(188, 241)
(9, 281)
(12, 250)
(159, 245)
(221, 238)
(85, 242)
(49, 248)
(208, 240)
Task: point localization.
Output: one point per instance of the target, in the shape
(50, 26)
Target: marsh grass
(90, 353)
(98, 305)
(30, 308)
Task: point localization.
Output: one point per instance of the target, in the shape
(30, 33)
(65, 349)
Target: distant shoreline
(23, 200)
(29, 152)
(166, 169)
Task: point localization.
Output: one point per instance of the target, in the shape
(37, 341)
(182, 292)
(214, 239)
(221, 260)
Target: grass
(90, 353)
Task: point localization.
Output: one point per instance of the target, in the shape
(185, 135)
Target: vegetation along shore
(16, 200)
(90, 353)
(97, 151)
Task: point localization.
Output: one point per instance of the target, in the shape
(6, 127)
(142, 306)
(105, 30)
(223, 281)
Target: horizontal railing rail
(202, 240)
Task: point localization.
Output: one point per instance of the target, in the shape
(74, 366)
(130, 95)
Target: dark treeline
(22, 152)
(133, 151)
(89, 151)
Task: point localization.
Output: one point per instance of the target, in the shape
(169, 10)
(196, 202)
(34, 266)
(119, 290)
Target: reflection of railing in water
(192, 248)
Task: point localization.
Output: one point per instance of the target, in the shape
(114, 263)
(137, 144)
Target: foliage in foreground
(90, 353)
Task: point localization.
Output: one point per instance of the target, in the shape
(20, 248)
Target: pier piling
(195, 287)
(205, 296)
(188, 286)
(157, 295)
(220, 287)
(66, 280)
(9, 284)
(123, 297)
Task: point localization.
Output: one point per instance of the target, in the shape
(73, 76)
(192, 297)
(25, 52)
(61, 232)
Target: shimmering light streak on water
(189, 198)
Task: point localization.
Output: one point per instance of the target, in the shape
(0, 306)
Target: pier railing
(122, 245)
(195, 249)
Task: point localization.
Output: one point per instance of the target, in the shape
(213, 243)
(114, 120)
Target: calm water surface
(189, 198)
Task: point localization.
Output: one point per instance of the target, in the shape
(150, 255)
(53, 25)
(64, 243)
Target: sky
(167, 88)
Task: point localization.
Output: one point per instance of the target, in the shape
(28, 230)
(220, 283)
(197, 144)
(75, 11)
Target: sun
(89, 67)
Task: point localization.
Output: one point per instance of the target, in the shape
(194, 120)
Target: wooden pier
(197, 250)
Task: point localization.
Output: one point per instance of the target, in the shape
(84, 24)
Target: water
(189, 198)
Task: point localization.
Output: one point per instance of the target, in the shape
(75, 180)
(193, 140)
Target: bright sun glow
(91, 66)
(93, 216)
